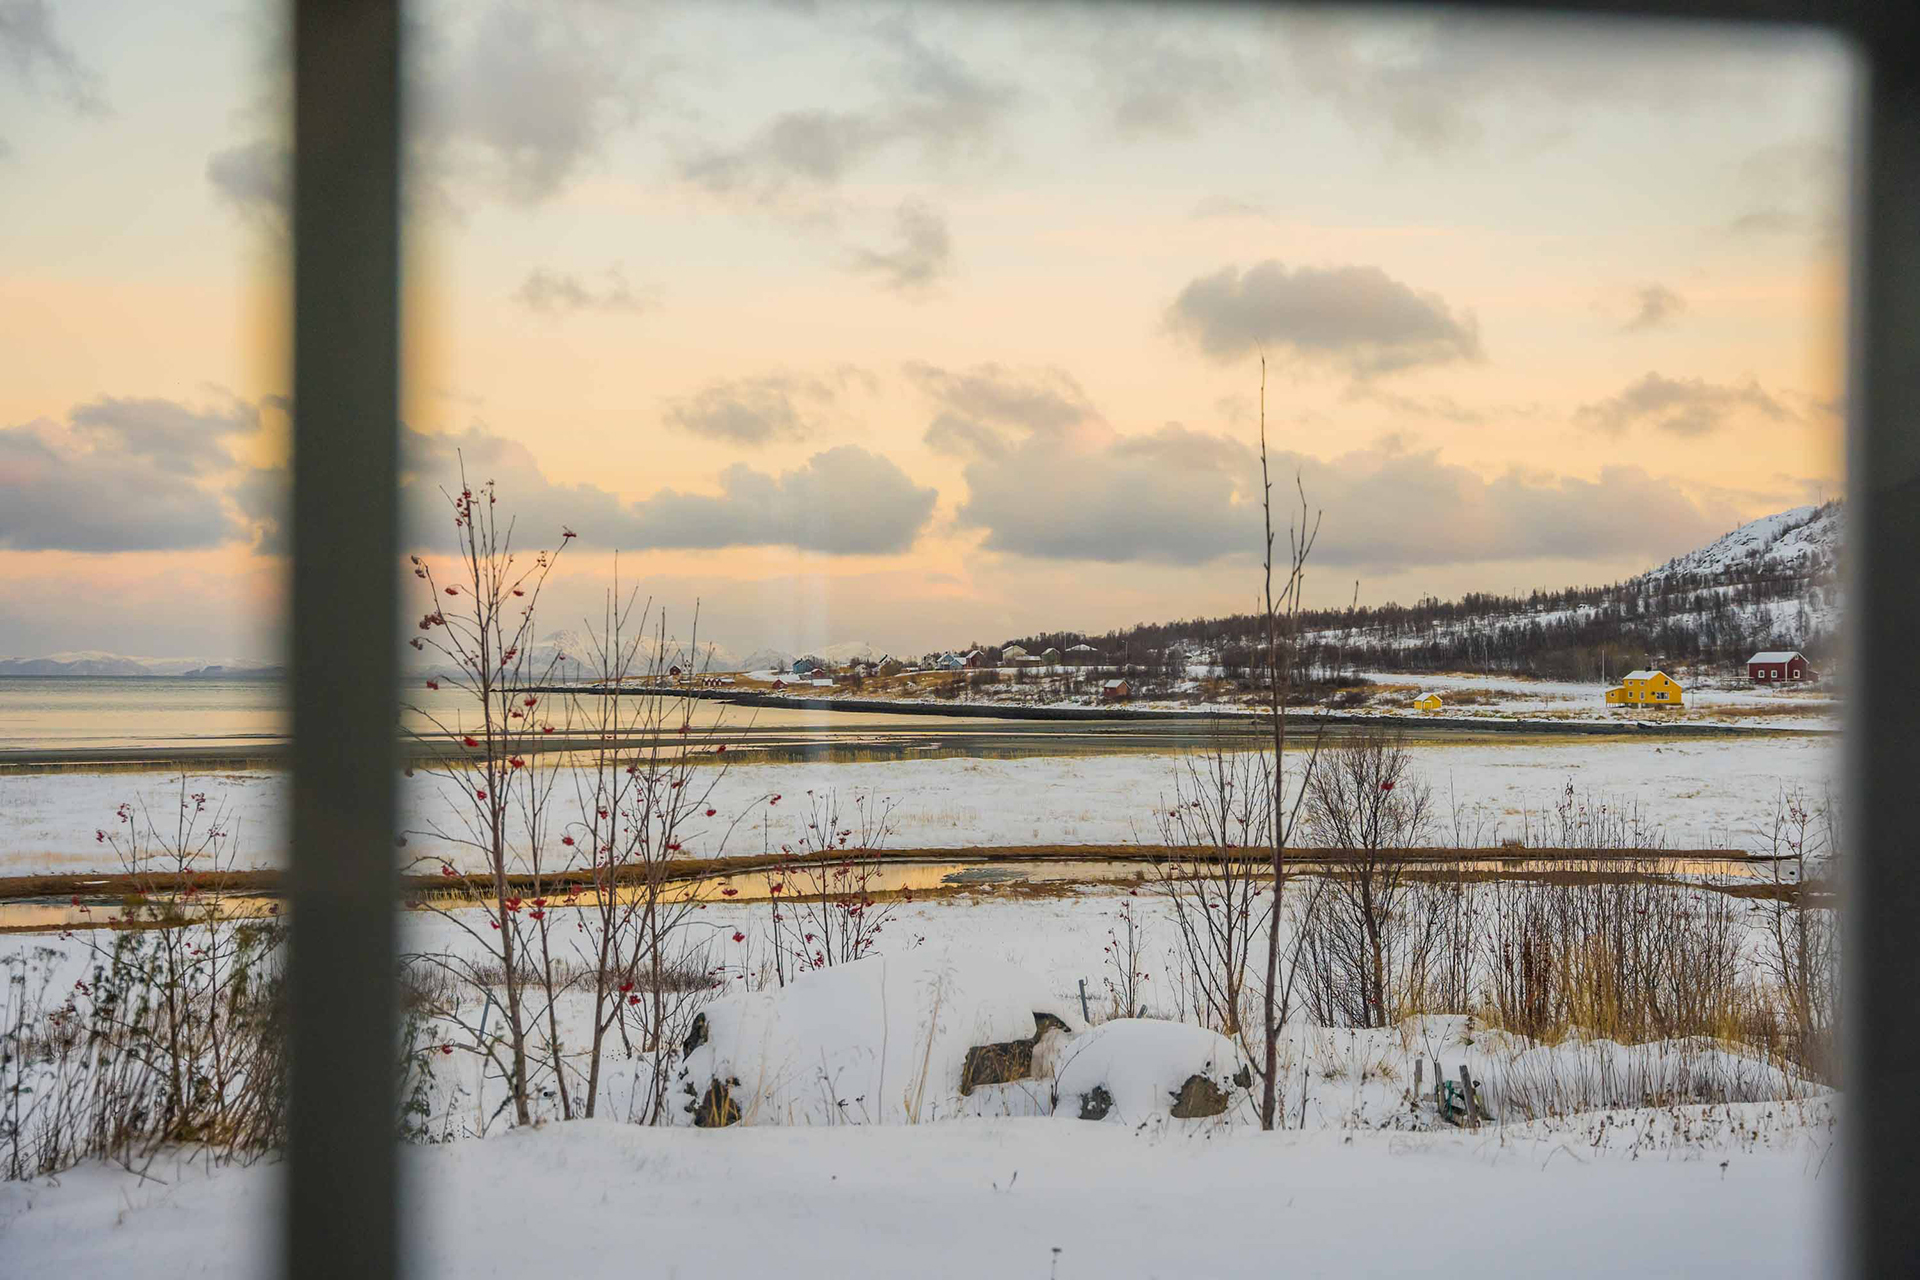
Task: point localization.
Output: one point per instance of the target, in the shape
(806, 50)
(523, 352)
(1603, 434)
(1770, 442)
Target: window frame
(342, 1163)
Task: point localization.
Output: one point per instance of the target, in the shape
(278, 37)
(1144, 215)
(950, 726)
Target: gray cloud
(1793, 188)
(1685, 407)
(1358, 318)
(1442, 82)
(121, 475)
(930, 102)
(844, 501)
(560, 293)
(1184, 497)
(960, 437)
(517, 101)
(925, 253)
(1031, 399)
(1653, 306)
(1163, 73)
(38, 57)
(255, 177)
(753, 411)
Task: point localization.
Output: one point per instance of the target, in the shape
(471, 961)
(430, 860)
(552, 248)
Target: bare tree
(1220, 814)
(1280, 619)
(1364, 944)
(480, 624)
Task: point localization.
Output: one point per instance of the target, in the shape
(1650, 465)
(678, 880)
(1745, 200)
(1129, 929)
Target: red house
(1777, 666)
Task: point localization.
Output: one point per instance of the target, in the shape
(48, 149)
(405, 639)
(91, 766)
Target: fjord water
(76, 713)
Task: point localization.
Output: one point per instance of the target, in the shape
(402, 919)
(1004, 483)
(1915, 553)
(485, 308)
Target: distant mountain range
(93, 663)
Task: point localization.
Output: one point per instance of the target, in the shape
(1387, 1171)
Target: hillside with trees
(1772, 583)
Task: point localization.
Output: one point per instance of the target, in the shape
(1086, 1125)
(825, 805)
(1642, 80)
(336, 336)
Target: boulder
(924, 1035)
(1143, 1070)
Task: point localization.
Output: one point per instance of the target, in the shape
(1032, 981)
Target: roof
(1778, 655)
(1644, 675)
(1082, 648)
(1113, 684)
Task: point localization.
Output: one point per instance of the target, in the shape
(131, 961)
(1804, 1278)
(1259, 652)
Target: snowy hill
(1771, 583)
(1805, 539)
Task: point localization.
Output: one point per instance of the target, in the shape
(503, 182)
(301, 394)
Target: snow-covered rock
(1144, 1070)
(881, 1040)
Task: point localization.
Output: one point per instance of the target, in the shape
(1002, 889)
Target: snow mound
(883, 1040)
(1142, 1070)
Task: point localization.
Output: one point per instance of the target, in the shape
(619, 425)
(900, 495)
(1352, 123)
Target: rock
(1198, 1098)
(1139, 1070)
(717, 1109)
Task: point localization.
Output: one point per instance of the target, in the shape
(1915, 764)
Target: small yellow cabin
(1427, 702)
(1646, 689)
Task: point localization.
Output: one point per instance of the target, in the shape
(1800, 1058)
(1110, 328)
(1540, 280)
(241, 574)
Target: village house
(1083, 654)
(1012, 654)
(974, 660)
(1051, 657)
(1776, 665)
(1427, 702)
(891, 666)
(1115, 691)
(1646, 689)
(949, 662)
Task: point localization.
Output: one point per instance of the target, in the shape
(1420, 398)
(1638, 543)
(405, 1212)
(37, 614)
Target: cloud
(1045, 399)
(925, 253)
(256, 178)
(961, 437)
(1164, 75)
(37, 56)
(1357, 318)
(513, 100)
(561, 293)
(1439, 83)
(1687, 407)
(1791, 188)
(930, 103)
(1183, 497)
(753, 411)
(121, 475)
(1654, 305)
(844, 501)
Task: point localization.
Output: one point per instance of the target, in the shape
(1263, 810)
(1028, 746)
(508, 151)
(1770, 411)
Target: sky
(930, 324)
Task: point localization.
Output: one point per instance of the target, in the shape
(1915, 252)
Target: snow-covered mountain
(1804, 540)
(93, 662)
(765, 659)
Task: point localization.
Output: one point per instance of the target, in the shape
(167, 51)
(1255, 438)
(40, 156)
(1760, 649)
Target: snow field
(1704, 793)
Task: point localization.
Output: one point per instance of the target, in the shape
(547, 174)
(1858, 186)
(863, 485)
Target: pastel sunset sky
(920, 325)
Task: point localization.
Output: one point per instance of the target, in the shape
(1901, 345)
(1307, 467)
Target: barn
(1115, 691)
(1776, 666)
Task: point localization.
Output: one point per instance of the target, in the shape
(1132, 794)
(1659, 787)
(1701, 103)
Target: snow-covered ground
(1704, 792)
(1016, 1198)
(1726, 702)
(1365, 1182)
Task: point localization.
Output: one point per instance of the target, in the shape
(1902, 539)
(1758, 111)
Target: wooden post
(1419, 1080)
(1085, 1017)
(1466, 1084)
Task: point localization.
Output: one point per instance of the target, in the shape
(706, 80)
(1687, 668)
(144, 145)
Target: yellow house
(1427, 702)
(1646, 689)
